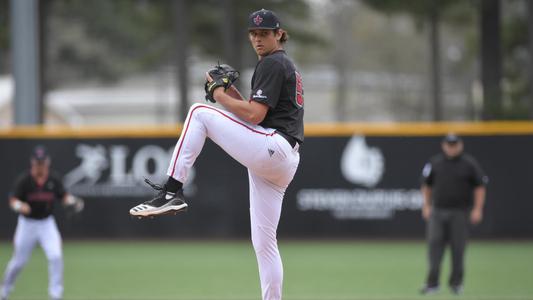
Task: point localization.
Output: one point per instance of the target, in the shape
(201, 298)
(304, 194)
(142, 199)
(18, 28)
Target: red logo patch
(299, 90)
(258, 20)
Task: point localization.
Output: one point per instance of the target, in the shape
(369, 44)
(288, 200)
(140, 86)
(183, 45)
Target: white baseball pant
(271, 164)
(28, 233)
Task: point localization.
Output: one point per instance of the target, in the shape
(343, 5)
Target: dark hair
(284, 36)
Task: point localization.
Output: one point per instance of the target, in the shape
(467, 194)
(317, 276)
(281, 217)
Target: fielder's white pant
(29, 232)
(271, 163)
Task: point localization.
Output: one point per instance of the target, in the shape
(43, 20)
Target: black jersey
(40, 198)
(277, 83)
(452, 180)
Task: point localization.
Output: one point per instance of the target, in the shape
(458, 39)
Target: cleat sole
(172, 212)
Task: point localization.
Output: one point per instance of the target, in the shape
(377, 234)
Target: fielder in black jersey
(40, 196)
(34, 197)
(263, 133)
(453, 187)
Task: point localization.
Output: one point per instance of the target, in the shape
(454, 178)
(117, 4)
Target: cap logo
(258, 20)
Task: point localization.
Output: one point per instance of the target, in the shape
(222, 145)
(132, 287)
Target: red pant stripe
(220, 112)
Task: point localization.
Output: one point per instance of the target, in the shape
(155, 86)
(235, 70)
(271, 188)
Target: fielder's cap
(39, 153)
(263, 19)
(451, 138)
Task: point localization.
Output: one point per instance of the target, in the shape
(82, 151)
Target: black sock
(173, 185)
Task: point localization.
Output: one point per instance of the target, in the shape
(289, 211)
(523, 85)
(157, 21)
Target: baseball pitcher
(262, 133)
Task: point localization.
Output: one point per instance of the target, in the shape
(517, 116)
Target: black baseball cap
(451, 138)
(263, 19)
(39, 153)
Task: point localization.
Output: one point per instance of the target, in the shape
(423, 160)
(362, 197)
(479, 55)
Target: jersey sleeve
(427, 174)
(19, 190)
(59, 188)
(269, 77)
(478, 177)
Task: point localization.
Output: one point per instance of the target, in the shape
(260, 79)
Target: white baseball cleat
(163, 203)
(429, 290)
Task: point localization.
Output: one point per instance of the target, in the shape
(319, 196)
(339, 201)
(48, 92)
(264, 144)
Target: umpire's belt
(292, 141)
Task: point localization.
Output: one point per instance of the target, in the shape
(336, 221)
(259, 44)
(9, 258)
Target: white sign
(363, 166)
(118, 172)
(360, 164)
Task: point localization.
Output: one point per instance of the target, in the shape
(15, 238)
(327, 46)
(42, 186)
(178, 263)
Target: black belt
(292, 141)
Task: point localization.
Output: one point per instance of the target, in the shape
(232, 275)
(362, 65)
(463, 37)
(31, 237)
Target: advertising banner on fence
(350, 186)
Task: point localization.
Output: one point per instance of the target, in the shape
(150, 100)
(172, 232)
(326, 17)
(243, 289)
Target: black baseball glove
(222, 75)
(74, 205)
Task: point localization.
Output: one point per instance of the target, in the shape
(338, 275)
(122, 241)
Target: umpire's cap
(451, 138)
(39, 153)
(263, 19)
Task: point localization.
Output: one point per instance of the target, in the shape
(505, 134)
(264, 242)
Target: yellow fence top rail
(419, 128)
(311, 130)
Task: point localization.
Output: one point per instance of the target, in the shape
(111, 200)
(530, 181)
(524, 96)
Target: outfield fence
(354, 180)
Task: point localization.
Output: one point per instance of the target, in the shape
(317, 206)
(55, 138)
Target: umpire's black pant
(447, 226)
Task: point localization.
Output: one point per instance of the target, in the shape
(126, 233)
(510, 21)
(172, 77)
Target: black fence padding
(345, 187)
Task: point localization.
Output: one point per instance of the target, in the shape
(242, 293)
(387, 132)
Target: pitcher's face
(264, 41)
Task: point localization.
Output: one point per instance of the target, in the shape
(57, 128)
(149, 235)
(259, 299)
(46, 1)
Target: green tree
(491, 58)
(504, 47)
(4, 35)
(105, 40)
(108, 39)
(517, 50)
(426, 13)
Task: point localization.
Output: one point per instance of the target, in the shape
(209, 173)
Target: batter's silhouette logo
(119, 170)
(93, 163)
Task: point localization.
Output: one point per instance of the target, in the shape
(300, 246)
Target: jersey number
(299, 90)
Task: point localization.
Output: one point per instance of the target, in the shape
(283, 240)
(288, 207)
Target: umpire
(454, 193)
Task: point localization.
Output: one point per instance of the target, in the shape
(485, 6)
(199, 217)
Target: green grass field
(313, 271)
